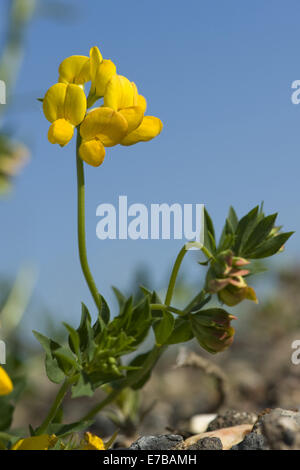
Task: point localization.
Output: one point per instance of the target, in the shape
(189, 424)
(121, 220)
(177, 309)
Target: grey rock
(207, 443)
(159, 442)
(280, 429)
(252, 441)
(232, 418)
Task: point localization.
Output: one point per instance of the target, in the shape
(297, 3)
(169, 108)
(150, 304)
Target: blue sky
(219, 76)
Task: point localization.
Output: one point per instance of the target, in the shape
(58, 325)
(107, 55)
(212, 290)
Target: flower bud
(213, 329)
(226, 278)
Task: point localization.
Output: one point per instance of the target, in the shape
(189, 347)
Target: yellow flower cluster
(120, 119)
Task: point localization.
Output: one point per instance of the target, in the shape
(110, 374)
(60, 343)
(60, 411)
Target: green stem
(56, 404)
(81, 228)
(174, 274)
(166, 307)
(201, 247)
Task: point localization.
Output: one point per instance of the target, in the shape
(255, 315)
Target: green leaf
(228, 233)
(105, 312)
(53, 370)
(244, 228)
(209, 233)
(163, 328)
(209, 223)
(86, 333)
(134, 321)
(182, 331)
(201, 304)
(66, 359)
(155, 299)
(233, 218)
(103, 318)
(83, 387)
(145, 291)
(139, 361)
(74, 340)
(259, 234)
(140, 321)
(271, 246)
(120, 297)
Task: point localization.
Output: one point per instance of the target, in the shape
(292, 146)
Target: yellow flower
(120, 121)
(122, 95)
(75, 69)
(64, 106)
(149, 128)
(43, 442)
(101, 127)
(92, 442)
(6, 385)
(78, 69)
(101, 71)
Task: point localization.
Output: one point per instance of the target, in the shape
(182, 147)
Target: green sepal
(182, 331)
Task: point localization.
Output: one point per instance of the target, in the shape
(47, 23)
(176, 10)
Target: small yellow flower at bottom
(6, 385)
(92, 442)
(60, 132)
(64, 106)
(92, 152)
(102, 127)
(43, 442)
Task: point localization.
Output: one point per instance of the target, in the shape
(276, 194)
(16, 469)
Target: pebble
(159, 442)
(207, 443)
(232, 418)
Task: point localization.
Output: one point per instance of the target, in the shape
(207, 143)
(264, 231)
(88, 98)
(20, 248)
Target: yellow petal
(54, 102)
(42, 442)
(93, 442)
(105, 72)
(119, 93)
(92, 152)
(135, 93)
(134, 116)
(141, 101)
(95, 60)
(75, 69)
(251, 295)
(106, 124)
(151, 126)
(6, 385)
(75, 104)
(60, 132)
(138, 100)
